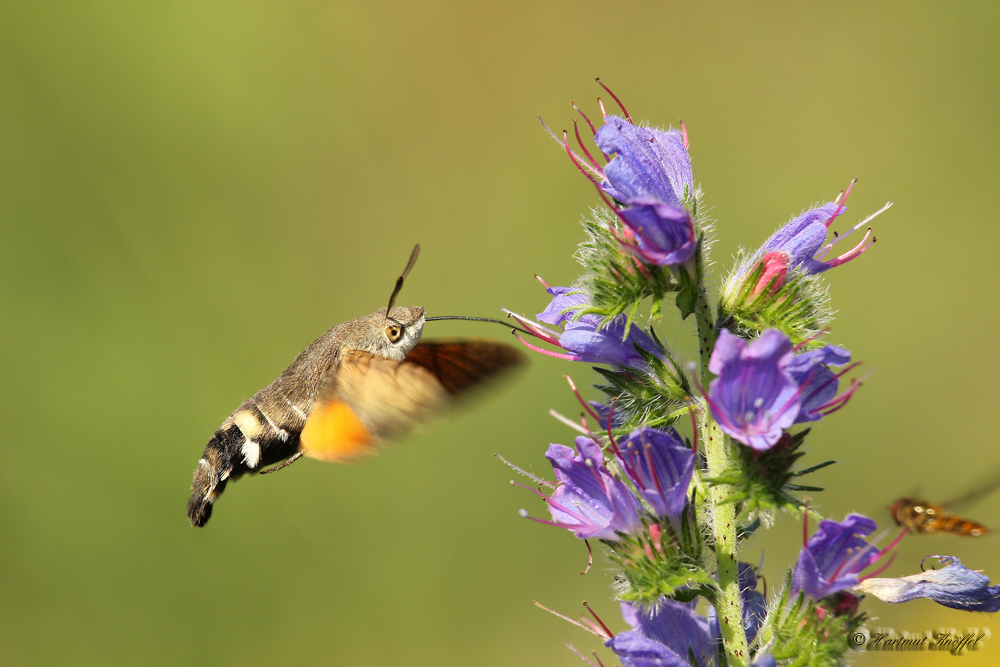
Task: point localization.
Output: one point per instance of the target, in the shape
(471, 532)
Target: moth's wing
(372, 398)
(460, 365)
(369, 398)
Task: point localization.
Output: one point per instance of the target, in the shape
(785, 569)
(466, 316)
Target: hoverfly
(920, 516)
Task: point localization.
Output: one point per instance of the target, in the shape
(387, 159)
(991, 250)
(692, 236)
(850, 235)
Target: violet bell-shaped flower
(833, 558)
(663, 636)
(762, 389)
(583, 338)
(753, 398)
(588, 501)
(650, 176)
(953, 586)
(800, 247)
(660, 465)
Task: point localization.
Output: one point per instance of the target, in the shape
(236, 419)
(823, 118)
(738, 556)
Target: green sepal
(799, 308)
(762, 480)
(807, 633)
(669, 566)
(615, 279)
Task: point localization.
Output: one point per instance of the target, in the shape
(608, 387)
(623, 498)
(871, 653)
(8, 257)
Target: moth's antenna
(399, 281)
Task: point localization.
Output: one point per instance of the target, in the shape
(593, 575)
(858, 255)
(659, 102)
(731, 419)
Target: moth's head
(390, 337)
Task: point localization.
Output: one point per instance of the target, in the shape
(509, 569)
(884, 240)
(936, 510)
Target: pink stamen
(579, 140)
(587, 120)
(549, 353)
(841, 201)
(879, 570)
(615, 98)
(652, 468)
(539, 279)
(575, 160)
(614, 445)
(684, 133)
(694, 426)
(815, 336)
(642, 269)
(604, 114)
(832, 380)
(585, 404)
(805, 526)
(852, 253)
(598, 618)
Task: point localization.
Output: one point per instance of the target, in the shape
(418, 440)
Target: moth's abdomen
(255, 436)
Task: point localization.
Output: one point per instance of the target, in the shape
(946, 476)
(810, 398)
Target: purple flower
(834, 556)
(664, 234)
(761, 389)
(646, 162)
(800, 247)
(810, 370)
(650, 175)
(588, 500)
(952, 586)
(583, 337)
(753, 398)
(664, 636)
(660, 465)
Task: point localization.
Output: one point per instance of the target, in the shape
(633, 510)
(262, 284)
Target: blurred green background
(190, 193)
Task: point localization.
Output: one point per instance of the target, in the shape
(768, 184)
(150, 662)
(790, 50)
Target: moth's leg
(284, 464)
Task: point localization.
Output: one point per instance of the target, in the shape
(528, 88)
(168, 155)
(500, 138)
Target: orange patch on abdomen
(334, 433)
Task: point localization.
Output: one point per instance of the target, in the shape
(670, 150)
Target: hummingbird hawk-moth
(360, 383)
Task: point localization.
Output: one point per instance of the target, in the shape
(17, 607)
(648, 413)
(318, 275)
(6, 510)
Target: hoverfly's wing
(372, 398)
(983, 488)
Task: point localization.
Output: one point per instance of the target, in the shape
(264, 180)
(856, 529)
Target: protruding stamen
(579, 140)
(597, 618)
(615, 98)
(604, 114)
(694, 425)
(567, 618)
(539, 279)
(841, 201)
(684, 133)
(587, 120)
(585, 404)
(572, 424)
(549, 353)
(838, 238)
(575, 159)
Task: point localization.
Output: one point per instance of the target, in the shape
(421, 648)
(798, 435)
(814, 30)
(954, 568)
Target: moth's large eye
(394, 332)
